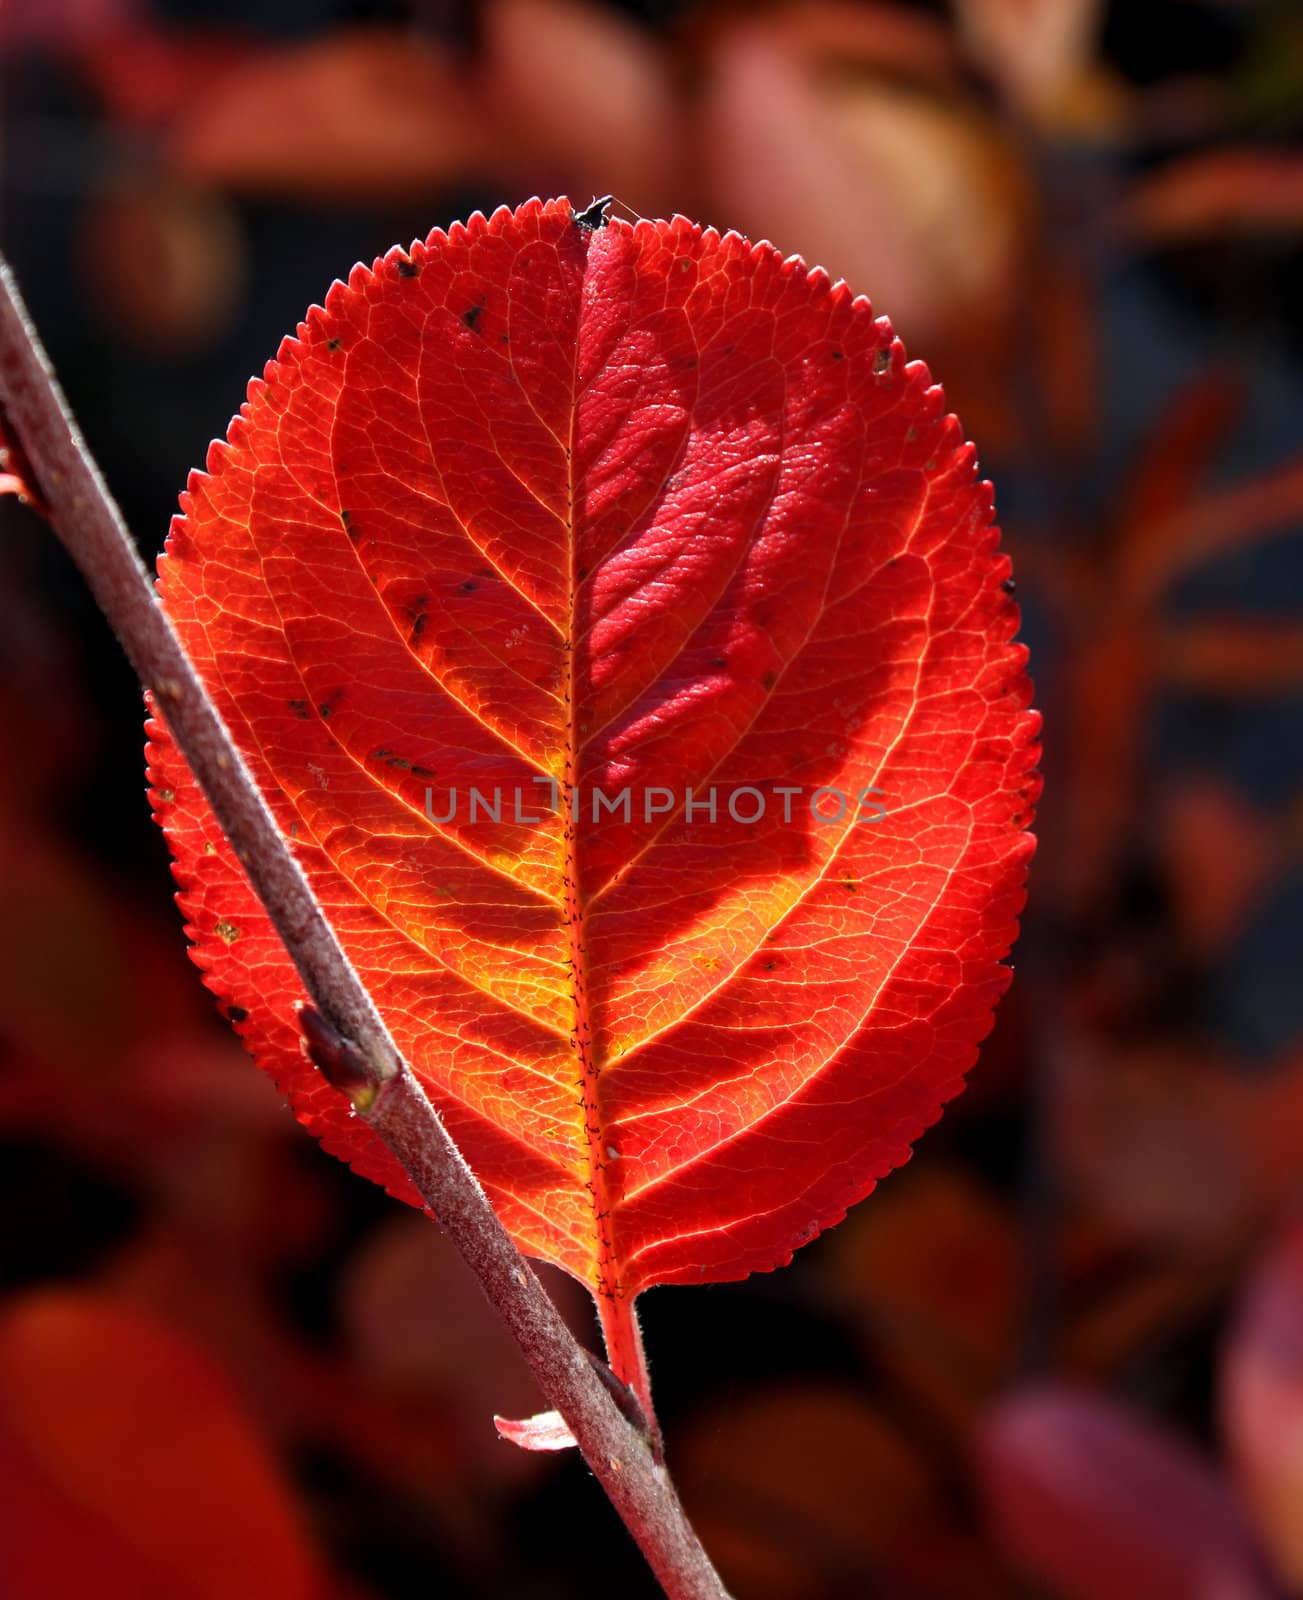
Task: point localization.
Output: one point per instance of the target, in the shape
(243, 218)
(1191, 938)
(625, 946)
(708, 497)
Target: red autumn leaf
(128, 1468)
(626, 508)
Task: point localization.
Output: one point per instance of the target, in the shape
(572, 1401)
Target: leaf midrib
(593, 1133)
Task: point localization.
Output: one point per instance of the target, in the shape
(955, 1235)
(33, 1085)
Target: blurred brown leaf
(1096, 1503)
(1166, 523)
(807, 1490)
(350, 116)
(1060, 361)
(931, 1271)
(580, 91)
(1230, 656)
(1110, 675)
(145, 74)
(104, 1042)
(1149, 1303)
(879, 36)
(1216, 192)
(1175, 1147)
(1168, 475)
(1036, 50)
(419, 1332)
(918, 200)
(1209, 524)
(164, 264)
(24, 23)
(1218, 854)
(1160, 1140)
(128, 1445)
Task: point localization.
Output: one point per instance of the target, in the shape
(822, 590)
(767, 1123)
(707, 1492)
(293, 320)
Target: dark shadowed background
(1061, 1353)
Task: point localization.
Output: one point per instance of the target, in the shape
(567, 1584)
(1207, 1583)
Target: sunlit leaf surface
(542, 511)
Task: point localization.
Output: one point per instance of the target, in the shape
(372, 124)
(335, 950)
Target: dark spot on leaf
(299, 709)
(468, 586)
(422, 772)
(771, 966)
(581, 573)
(472, 315)
(237, 1014)
(718, 663)
(1009, 586)
(881, 362)
(333, 344)
(839, 355)
(398, 761)
(769, 679)
(850, 886)
(407, 269)
(419, 625)
(911, 433)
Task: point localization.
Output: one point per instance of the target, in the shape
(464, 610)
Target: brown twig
(89, 525)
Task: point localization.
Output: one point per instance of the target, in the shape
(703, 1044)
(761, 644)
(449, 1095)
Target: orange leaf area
(592, 523)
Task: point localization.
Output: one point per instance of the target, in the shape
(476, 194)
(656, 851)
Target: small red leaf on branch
(546, 1431)
(615, 622)
(16, 475)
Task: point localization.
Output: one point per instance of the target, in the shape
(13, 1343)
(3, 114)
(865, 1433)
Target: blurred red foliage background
(1062, 1352)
